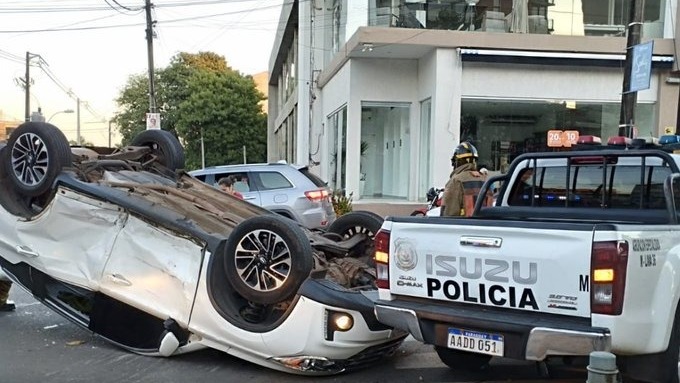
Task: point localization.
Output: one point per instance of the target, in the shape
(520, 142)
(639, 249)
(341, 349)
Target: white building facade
(376, 94)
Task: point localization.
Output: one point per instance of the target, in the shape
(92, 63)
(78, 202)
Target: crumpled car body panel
(136, 248)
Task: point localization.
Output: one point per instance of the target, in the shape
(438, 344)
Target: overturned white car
(131, 248)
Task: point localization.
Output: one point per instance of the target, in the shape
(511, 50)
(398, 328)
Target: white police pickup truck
(580, 253)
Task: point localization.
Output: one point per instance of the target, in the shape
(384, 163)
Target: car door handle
(119, 280)
(27, 251)
(248, 198)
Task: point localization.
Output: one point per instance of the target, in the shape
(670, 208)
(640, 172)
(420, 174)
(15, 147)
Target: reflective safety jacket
(461, 191)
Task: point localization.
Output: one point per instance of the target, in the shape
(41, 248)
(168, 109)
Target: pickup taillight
(608, 277)
(382, 259)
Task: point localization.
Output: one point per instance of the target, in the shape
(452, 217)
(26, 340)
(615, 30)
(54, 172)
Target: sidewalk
(386, 208)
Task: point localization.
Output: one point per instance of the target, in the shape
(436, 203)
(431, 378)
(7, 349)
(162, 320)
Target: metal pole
(202, 151)
(110, 133)
(602, 367)
(27, 82)
(78, 122)
(628, 98)
(244, 154)
(149, 48)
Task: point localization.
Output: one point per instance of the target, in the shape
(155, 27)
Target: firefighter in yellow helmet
(464, 184)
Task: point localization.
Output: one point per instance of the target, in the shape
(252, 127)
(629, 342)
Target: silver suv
(290, 190)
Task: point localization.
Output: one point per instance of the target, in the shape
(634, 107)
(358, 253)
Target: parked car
(148, 257)
(289, 190)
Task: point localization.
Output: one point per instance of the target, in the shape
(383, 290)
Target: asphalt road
(38, 345)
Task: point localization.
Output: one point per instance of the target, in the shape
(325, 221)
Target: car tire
(355, 222)
(267, 258)
(165, 148)
(461, 360)
(36, 154)
(358, 222)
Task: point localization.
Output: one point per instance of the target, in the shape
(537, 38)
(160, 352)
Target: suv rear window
(272, 181)
(623, 187)
(312, 177)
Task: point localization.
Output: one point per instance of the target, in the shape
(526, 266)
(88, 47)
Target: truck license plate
(475, 341)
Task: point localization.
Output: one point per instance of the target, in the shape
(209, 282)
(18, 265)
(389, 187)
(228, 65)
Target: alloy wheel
(263, 260)
(29, 159)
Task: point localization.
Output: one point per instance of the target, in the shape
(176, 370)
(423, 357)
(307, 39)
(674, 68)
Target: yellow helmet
(464, 153)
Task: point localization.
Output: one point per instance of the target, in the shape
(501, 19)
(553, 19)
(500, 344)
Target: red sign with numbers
(562, 138)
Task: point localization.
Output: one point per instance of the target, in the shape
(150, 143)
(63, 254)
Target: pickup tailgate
(534, 266)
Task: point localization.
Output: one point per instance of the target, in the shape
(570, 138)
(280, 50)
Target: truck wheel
(37, 152)
(461, 360)
(267, 258)
(165, 148)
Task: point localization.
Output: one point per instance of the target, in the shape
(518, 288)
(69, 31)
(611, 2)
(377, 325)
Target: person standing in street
(5, 304)
(465, 182)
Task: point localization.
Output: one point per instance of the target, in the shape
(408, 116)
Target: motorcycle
(434, 201)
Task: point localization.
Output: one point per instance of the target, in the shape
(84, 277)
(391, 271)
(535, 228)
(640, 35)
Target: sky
(87, 49)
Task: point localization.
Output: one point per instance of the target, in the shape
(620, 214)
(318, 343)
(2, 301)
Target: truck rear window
(626, 187)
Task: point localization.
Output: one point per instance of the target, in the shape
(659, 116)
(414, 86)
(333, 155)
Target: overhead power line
(44, 66)
(163, 22)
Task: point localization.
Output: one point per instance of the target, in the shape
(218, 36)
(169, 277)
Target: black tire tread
(165, 146)
(371, 221)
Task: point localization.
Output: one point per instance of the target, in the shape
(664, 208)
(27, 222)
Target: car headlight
(309, 363)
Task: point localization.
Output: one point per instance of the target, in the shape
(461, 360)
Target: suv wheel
(36, 154)
(267, 259)
(165, 148)
(358, 222)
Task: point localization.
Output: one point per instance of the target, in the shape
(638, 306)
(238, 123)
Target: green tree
(200, 95)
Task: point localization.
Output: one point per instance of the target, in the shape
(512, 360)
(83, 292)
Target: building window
(338, 29)
(425, 163)
(386, 163)
(288, 79)
(285, 136)
(337, 148)
(503, 129)
(609, 17)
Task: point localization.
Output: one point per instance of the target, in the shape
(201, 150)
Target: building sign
(153, 121)
(562, 138)
(641, 70)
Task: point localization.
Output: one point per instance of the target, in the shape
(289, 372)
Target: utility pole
(149, 48)
(78, 122)
(27, 85)
(628, 98)
(27, 81)
(110, 121)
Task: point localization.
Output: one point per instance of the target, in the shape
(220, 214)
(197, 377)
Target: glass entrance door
(385, 135)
